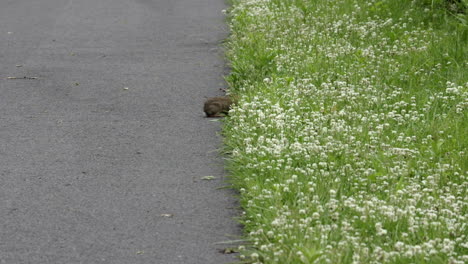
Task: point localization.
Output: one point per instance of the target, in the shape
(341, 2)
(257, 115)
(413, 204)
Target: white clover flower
(379, 229)
(254, 255)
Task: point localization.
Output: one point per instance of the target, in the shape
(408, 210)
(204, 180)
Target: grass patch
(349, 140)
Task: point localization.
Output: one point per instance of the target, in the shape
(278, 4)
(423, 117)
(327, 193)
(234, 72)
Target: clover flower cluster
(347, 144)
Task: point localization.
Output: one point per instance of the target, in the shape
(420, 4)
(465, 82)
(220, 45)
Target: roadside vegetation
(349, 140)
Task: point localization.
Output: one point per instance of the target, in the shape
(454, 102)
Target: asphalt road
(104, 144)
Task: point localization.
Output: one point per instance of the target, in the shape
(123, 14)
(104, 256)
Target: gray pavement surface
(101, 155)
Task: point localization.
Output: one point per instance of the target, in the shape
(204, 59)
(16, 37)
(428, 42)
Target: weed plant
(349, 140)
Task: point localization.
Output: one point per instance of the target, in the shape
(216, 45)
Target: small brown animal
(215, 106)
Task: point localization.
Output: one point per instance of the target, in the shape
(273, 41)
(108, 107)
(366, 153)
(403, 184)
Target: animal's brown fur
(215, 106)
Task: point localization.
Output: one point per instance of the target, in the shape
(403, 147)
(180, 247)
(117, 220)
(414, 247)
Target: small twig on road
(19, 78)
